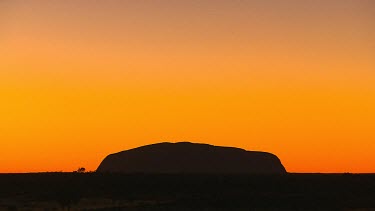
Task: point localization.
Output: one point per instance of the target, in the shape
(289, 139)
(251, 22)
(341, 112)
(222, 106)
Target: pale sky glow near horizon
(81, 79)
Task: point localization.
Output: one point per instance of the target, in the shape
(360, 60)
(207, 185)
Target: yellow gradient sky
(80, 79)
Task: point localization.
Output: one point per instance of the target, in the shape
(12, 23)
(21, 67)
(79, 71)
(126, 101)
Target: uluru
(186, 157)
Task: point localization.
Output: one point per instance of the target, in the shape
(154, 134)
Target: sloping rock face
(188, 157)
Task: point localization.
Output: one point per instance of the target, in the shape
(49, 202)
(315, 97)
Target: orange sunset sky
(80, 79)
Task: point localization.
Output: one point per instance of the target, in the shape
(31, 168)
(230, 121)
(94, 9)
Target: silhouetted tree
(80, 170)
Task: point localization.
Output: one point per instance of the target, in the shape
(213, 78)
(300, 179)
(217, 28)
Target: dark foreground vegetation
(94, 191)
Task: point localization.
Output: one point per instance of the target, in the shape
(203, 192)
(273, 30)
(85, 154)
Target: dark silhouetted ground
(96, 191)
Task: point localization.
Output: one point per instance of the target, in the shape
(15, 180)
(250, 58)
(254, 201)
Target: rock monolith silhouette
(185, 157)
